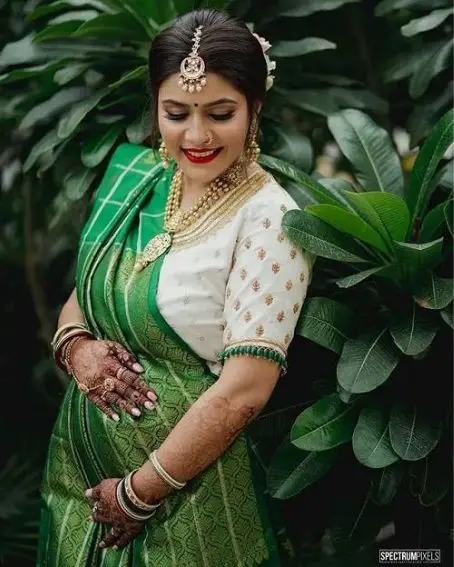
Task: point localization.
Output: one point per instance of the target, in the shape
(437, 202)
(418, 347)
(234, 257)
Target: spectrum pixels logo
(409, 556)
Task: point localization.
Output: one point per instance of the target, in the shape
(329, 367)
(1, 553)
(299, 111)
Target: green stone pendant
(154, 248)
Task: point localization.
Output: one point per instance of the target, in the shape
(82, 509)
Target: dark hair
(227, 47)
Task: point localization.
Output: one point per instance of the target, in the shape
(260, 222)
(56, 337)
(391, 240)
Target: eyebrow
(208, 105)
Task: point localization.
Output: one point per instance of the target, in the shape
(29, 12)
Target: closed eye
(177, 116)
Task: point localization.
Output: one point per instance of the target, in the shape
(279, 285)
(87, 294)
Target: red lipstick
(201, 156)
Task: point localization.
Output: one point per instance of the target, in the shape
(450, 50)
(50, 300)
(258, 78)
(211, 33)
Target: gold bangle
(163, 474)
(134, 498)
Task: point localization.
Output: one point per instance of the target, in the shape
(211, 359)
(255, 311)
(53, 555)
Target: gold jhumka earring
(252, 149)
(165, 156)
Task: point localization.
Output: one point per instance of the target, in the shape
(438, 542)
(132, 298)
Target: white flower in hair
(270, 65)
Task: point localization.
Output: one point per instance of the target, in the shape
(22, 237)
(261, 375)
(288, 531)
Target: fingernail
(136, 412)
(138, 367)
(102, 544)
(151, 396)
(149, 405)
(88, 492)
(115, 417)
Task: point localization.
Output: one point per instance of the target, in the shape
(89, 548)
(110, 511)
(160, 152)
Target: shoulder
(127, 154)
(269, 205)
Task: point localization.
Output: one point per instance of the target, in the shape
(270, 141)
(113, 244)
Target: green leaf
(46, 144)
(426, 23)
(367, 361)
(354, 279)
(371, 444)
(74, 117)
(413, 432)
(447, 175)
(293, 147)
(56, 31)
(29, 72)
(433, 223)
(298, 9)
(426, 164)
(448, 316)
(299, 177)
(118, 27)
(416, 259)
(325, 322)
(54, 105)
(386, 484)
(316, 101)
(70, 72)
(349, 223)
(413, 329)
(292, 470)
(77, 183)
(369, 149)
(140, 73)
(430, 478)
(357, 98)
(428, 69)
(140, 129)
(386, 213)
(434, 292)
(320, 239)
(97, 148)
(387, 6)
(449, 214)
(405, 64)
(300, 47)
(23, 51)
(325, 425)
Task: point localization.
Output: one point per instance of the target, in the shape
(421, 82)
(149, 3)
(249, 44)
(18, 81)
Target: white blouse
(236, 279)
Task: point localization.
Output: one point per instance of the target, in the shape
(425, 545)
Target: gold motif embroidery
(292, 253)
(243, 273)
(296, 307)
(237, 305)
(280, 316)
(287, 339)
(289, 285)
(302, 277)
(276, 267)
(186, 300)
(283, 208)
(248, 243)
(268, 299)
(259, 330)
(262, 342)
(256, 285)
(228, 334)
(261, 253)
(247, 316)
(281, 237)
(267, 223)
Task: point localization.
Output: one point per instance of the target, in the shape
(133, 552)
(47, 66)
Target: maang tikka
(192, 68)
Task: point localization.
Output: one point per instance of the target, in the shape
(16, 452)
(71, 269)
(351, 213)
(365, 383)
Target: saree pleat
(219, 520)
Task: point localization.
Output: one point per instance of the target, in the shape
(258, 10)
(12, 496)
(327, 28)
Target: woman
(182, 263)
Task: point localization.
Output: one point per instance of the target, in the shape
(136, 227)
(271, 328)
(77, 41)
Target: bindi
(196, 105)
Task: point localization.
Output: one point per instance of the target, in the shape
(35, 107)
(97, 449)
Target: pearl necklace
(175, 220)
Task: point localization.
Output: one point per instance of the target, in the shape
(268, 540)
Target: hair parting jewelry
(192, 68)
(163, 474)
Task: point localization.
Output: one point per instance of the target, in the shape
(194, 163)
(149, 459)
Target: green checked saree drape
(220, 519)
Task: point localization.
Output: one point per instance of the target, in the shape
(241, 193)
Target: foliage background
(80, 88)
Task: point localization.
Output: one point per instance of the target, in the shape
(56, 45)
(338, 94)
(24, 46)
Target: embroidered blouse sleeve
(266, 288)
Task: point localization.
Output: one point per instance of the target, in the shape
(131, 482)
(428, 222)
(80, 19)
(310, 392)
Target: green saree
(220, 519)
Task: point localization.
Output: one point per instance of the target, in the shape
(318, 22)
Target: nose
(197, 134)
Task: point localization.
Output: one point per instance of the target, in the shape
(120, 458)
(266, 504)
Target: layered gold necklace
(176, 220)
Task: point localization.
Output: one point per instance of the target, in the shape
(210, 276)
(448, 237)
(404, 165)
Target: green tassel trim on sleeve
(256, 352)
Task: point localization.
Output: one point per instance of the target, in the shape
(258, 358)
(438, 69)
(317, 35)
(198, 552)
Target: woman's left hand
(107, 511)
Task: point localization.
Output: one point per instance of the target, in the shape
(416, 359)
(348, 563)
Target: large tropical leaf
(426, 23)
(298, 9)
(367, 361)
(386, 484)
(426, 70)
(426, 164)
(434, 292)
(326, 322)
(430, 478)
(300, 47)
(371, 443)
(413, 330)
(326, 424)
(413, 432)
(320, 239)
(355, 279)
(417, 259)
(70, 121)
(369, 149)
(434, 222)
(292, 470)
(349, 223)
(97, 148)
(116, 27)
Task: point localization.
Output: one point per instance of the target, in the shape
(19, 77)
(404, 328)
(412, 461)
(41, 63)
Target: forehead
(217, 87)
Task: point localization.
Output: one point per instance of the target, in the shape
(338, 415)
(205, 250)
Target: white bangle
(163, 474)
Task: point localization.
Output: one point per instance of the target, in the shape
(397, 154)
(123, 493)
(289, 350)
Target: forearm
(207, 429)
(71, 312)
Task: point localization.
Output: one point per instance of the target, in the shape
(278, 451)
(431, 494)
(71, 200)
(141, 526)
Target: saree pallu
(220, 519)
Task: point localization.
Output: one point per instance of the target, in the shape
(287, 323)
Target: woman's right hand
(109, 375)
